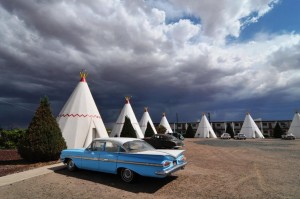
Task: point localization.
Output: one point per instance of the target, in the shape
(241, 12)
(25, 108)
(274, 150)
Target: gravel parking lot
(260, 168)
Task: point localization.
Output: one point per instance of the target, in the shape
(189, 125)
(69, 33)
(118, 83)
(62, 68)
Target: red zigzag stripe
(77, 115)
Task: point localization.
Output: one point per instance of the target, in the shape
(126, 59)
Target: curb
(17, 177)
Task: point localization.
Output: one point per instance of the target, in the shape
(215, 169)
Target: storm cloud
(171, 56)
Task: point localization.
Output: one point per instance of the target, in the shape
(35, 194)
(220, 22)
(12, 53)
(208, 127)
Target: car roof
(119, 140)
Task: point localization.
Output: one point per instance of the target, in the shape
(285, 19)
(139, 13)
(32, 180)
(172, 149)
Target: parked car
(128, 157)
(225, 136)
(177, 135)
(288, 137)
(240, 136)
(164, 141)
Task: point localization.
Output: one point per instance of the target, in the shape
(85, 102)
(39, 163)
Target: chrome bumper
(171, 170)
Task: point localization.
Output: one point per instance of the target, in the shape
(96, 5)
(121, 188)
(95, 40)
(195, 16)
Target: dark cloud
(128, 49)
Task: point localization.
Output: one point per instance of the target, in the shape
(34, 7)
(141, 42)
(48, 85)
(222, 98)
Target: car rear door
(108, 158)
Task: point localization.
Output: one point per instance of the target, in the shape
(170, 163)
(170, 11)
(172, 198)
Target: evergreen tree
(128, 130)
(217, 132)
(229, 130)
(277, 131)
(149, 131)
(43, 139)
(190, 133)
(161, 129)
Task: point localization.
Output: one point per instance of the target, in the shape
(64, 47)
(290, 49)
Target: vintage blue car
(128, 157)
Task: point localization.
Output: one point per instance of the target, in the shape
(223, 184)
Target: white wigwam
(79, 119)
(126, 112)
(144, 121)
(250, 128)
(295, 126)
(164, 122)
(204, 129)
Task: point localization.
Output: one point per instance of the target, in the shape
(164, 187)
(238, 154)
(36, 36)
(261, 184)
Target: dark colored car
(177, 135)
(164, 141)
(240, 136)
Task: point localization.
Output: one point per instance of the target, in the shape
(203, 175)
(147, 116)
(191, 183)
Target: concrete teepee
(204, 129)
(126, 112)
(79, 119)
(164, 122)
(295, 126)
(144, 121)
(250, 129)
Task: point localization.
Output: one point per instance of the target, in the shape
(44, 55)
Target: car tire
(71, 165)
(128, 175)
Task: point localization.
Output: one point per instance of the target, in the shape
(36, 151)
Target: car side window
(111, 147)
(98, 146)
(121, 149)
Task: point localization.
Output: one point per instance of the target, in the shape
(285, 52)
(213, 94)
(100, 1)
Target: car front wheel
(71, 165)
(127, 175)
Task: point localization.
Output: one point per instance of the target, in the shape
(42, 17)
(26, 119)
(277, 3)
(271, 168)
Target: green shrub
(10, 138)
(149, 131)
(161, 129)
(128, 130)
(278, 132)
(229, 130)
(43, 139)
(190, 133)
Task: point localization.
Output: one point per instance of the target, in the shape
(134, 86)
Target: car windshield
(169, 137)
(137, 145)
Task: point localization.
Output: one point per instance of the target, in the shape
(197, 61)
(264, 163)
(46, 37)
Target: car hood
(173, 153)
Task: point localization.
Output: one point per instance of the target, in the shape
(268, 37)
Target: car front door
(109, 157)
(157, 141)
(166, 143)
(90, 159)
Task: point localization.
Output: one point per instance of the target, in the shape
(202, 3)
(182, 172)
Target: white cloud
(130, 47)
(221, 18)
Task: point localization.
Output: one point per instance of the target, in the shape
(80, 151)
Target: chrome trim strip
(79, 157)
(117, 161)
(140, 163)
(171, 170)
(107, 160)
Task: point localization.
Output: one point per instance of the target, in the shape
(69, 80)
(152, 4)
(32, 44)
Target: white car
(225, 136)
(288, 137)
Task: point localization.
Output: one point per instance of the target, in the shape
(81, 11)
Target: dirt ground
(266, 168)
(11, 162)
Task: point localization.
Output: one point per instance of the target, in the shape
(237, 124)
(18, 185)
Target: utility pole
(176, 122)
